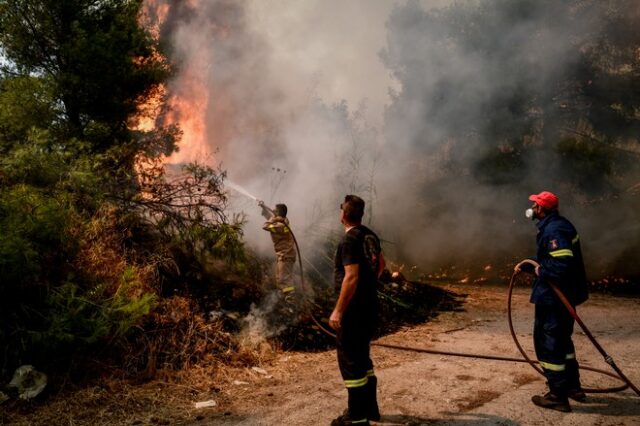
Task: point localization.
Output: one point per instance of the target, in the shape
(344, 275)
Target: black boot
(552, 401)
(373, 412)
(573, 377)
(346, 420)
(356, 414)
(577, 395)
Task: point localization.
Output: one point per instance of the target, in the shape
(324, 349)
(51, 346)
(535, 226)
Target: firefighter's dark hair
(353, 208)
(281, 210)
(547, 211)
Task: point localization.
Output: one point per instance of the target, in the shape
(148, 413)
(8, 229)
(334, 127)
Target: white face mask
(529, 214)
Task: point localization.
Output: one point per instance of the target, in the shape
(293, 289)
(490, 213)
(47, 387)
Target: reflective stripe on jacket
(283, 243)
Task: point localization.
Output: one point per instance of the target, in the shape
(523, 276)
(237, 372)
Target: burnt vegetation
(304, 321)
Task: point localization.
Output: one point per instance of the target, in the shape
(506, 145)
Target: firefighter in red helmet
(560, 257)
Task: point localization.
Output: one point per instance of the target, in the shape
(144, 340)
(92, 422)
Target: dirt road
(415, 389)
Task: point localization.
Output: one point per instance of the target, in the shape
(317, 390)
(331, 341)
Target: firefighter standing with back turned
(358, 263)
(560, 258)
(277, 225)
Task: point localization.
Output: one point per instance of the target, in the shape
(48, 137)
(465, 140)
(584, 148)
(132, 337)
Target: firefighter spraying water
(277, 225)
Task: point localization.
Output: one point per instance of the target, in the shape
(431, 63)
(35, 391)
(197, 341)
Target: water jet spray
(241, 190)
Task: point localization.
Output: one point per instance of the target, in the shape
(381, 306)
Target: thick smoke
(275, 115)
(489, 89)
(444, 116)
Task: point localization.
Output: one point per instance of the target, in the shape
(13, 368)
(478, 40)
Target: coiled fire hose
(619, 375)
(607, 358)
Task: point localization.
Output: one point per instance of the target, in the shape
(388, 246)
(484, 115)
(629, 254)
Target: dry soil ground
(414, 388)
(302, 388)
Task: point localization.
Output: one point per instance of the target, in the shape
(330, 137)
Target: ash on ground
(401, 303)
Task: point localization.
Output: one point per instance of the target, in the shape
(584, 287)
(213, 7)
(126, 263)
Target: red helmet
(547, 200)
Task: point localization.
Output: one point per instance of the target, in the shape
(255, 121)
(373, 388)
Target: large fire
(187, 97)
(187, 109)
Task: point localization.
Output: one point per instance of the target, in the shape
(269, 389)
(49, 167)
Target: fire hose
(619, 375)
(607, 358)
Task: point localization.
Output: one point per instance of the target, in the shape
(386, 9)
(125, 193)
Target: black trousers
(354, 360)
(552, 332)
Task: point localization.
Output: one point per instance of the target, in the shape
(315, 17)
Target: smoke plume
(443, 115)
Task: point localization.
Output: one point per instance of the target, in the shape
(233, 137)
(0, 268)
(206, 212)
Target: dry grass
(167, 400)
(120, 402)
(101, 255)
(178, 337)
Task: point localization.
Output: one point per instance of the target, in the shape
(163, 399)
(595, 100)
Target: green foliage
(86, 237)
(72, 275)
(100, 63)
(226, 243)
(35, 213)
(39, 224)
(77, 318)
(25, 102)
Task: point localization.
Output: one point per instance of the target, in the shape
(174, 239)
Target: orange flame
(187, 109)
(148, 111)
(187, 97)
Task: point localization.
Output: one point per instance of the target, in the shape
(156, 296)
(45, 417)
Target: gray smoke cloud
(438, 113)
(476, 124)
(295, 97)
